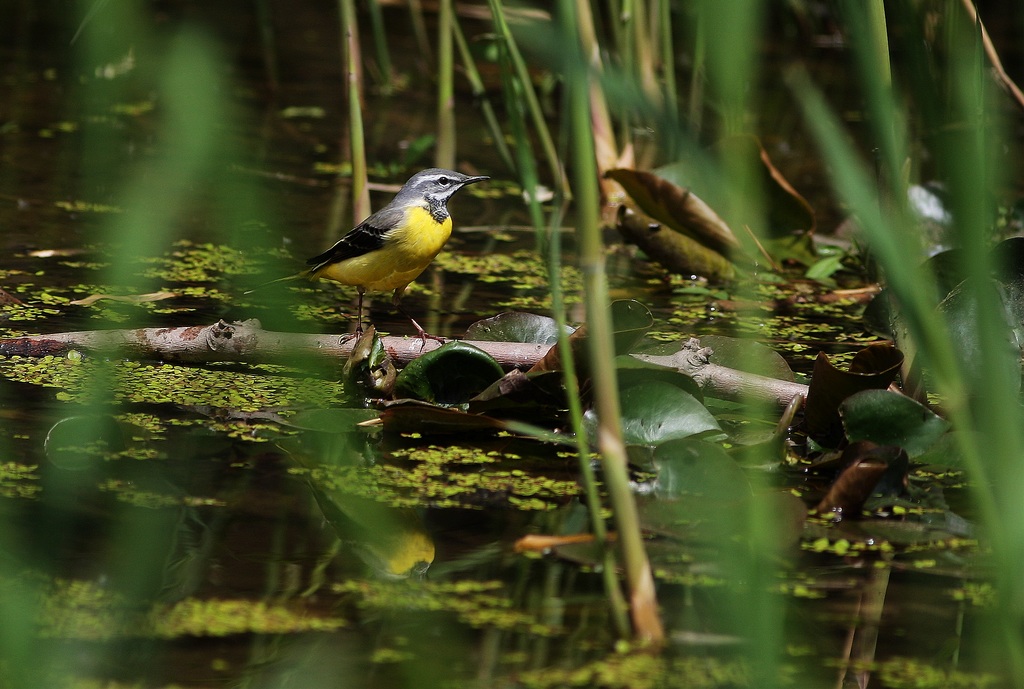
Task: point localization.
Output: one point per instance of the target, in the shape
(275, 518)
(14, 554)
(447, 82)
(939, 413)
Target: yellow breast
(406, 253)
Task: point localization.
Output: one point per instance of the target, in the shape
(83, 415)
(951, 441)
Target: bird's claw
(424, 336)
(349, 337)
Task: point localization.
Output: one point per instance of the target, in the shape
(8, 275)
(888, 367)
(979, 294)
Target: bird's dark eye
(444, 181)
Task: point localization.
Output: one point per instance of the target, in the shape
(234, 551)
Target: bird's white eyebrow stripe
(432, 178)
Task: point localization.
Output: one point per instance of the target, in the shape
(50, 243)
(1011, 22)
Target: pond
(230, 524)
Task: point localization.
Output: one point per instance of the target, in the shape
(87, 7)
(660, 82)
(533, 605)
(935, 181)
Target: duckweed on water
(910, 673)
(191, 262)
(524, 272)
(453, 454)
(18, 480)
(225, 617)
(133, 109)
(130, 494)
(49, 371)
(79, 206)
(476, 603)
(137, 382)
(642, 671)
(23, 313)
(430, 484)
(86, 611)
(980, 594)
(796, 329)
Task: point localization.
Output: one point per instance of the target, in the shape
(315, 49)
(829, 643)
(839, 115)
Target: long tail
(287, 278)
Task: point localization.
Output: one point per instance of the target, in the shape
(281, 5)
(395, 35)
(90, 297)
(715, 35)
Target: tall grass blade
(380, 44)
(419, 29)
(480, 96)
(354, 95)
(642, 603)
(985, 404)
(444, 153)
(525, 89)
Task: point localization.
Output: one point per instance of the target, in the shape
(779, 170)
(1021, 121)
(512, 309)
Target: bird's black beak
(471, 180)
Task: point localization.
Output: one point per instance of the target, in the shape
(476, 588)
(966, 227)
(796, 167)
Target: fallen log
(247, 341)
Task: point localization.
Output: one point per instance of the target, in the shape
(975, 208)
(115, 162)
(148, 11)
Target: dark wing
(367, 236)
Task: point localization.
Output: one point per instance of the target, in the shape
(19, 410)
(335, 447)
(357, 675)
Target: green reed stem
(998, 420)
(380, 44)
(444, 153)
(639, 579)
(526, 91)
(695, 105)
(609, 569)
(419, 30)
(268, 44)
(526, 164)
(476, 83)
(995, 408)
(601, 126)
(354, 87)
(668, 53)
(618, 606)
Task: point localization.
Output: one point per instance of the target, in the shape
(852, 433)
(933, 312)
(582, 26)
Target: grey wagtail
(390, 249)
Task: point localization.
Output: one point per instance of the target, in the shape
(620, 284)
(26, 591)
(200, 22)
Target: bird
(390, 248)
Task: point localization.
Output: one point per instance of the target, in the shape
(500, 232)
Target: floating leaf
(744, 354)
(538, 397)
(412, 416)
(631, 320)
(632, 371)
(515, 326)
(872, 368)
(343, 420)
(889, 418)
(947, 452)
(690, 467)
(655, 412)
(961, 310)
(700, 492)
(866, 464)
(451, 374)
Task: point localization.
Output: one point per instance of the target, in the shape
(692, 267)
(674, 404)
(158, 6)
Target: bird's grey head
(435, 186)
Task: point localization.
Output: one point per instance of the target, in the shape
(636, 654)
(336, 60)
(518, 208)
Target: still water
(169, 525)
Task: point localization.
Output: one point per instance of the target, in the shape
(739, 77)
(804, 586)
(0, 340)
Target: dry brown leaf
(540, 542)
(677, 208)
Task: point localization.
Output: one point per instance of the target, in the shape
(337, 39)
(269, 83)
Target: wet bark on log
(246, 341)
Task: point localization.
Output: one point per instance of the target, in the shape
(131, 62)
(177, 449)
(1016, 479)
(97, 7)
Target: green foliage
(713, 538)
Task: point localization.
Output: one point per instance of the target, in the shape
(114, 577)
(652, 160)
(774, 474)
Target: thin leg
(359, 320)
(359, 313)
(423, 334)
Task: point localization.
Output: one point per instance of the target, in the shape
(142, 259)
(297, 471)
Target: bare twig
(990, 50)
